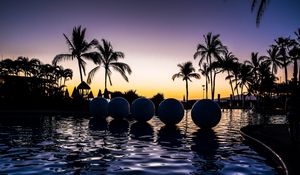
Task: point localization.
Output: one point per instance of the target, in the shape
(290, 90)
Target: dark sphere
(118, 108)
(170, 111)
(206, 114)
(142, 109)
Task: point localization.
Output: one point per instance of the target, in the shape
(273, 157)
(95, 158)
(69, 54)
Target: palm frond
(253, 5)
(94, 42)
(121, 70)
(260, 11)
(92, 74)
(178, 75)
(229, 77)
(119, 54)
(69, 43)
(93, 56)
(61, 57)
(123, 66)
(194, 75)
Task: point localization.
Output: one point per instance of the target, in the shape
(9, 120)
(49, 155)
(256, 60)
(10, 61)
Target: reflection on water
(170, 136)
(68, 145)
(142, 131)
(118, 127)
(205, 143)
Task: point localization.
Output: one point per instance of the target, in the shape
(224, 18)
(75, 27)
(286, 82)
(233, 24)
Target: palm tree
(23, 63)
(227, 63)
(273, 58)
(266, 78)
(245, 77)
(109, 58)
(254, 63)
(212, 48)
(79, 48)
(284, 44)
(34, 65)
(187, 71)
(205, 72)
(67, 74)
(295, 54)
(236, 72)
(9, 67)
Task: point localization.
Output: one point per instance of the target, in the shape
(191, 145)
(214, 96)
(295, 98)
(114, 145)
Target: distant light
(142, 109)
(98, 107)
(118, 108)
(206, 114)
(170, 111)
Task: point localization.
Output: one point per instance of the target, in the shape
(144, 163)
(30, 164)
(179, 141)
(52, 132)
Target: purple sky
(155, 35)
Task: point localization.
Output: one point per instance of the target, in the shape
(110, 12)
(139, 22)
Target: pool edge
(268, 150)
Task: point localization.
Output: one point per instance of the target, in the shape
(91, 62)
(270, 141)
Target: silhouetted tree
(295, 56)
(273, 58)
(254, 63)
(79, 48)
(227, 62)
(204, 71)
(211, 49)
(157, 99)
(245, 78)
(187, 71)
(8, 67)
(131, 95)
(109, 59)
(67, 74)
(115, 94)
(266, 79)
(284, 45)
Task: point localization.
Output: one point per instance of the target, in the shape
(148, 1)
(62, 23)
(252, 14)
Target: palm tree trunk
(230, 84)
(187, 90)
(80, 71)
(242, 96)
(285, 72)
(206, 85)
(213, 84)
(237, 88)
(295, 72)
(105, 79)
(211, 78)
(105, 95)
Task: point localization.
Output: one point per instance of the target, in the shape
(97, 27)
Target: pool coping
(268, 150)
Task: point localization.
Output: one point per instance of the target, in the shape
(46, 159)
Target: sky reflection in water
(52, 144)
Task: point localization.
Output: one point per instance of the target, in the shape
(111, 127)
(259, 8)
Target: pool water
(86, 145)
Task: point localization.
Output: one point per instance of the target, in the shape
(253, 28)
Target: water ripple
(56, 145)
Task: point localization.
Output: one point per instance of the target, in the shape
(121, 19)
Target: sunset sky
(155, 35)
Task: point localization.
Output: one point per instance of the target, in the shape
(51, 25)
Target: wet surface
(84, 145)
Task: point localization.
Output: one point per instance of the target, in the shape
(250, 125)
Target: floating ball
(206, 114)
(170, 111)
(118, 108)
(142, 109)
(98, 107)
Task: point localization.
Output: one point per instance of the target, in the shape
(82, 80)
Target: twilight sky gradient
(155, 35)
